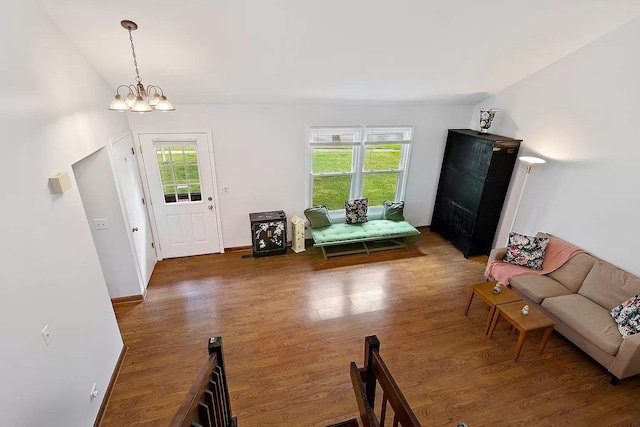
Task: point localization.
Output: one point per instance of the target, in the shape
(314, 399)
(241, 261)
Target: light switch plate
(94, 392)
(46, 334)
(101, 224)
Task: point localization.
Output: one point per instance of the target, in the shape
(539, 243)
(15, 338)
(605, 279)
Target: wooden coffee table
(533, 321)
(485, 291)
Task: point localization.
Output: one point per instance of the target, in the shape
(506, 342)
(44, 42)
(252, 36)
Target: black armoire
(475, 175)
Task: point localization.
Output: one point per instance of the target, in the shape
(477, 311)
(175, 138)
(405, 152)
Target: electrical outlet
(46, 334)
(94, 391)
(224, 189)
(101, 224)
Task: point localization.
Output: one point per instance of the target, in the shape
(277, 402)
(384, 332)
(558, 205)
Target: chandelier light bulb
(153, 100)
(140, 106)
(163, 105)
(118, 104)
(130, 100)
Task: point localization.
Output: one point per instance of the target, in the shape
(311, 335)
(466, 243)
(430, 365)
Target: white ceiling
(342, 51)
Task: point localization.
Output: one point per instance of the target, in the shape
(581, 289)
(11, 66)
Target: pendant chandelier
(138, 99)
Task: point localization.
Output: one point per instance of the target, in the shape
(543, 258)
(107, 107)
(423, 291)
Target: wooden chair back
(207, 403)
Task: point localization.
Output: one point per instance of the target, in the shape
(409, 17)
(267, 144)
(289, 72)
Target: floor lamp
(529, 161)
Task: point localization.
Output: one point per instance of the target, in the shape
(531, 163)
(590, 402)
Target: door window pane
(193, 174)
(331, 191)
(179, 174)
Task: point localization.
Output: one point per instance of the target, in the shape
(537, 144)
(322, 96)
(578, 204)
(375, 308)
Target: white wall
(97, 188)
(260, 152)
(53, 113)
(581, 114)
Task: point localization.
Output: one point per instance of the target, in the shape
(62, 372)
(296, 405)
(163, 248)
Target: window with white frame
(350, 162)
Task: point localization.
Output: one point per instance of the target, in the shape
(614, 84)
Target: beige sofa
(578, 297)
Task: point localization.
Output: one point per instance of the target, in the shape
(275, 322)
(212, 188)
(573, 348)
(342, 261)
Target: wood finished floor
(291, 325)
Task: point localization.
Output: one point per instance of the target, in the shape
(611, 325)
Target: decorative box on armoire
(269, 233)
(474, 179)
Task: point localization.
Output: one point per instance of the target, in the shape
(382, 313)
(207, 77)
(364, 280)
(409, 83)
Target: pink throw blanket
(557, 253)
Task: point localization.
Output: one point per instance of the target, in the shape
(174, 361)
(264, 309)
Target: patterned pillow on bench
(356, 211)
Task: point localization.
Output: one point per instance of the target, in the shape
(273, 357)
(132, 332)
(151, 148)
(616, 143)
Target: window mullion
(357, 183)
(328, 174)
(380, 171)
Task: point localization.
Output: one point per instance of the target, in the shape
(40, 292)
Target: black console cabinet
(475, 176)
(269, 233)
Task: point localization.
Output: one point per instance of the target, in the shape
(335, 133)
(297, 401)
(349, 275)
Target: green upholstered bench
(354, 237)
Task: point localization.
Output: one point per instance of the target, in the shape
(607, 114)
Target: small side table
(533, 321)
(485, 291)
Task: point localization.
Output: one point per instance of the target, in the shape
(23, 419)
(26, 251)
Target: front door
(179, 170)
(132, 197)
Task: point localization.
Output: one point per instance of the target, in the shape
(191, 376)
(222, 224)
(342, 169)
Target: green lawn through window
(178, 169)
(333, 191)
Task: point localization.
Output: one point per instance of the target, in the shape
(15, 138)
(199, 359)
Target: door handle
(210, 207)
(134, 229)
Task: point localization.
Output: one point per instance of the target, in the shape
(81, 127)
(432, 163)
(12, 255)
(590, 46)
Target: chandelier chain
(135, 61)
(139, 99)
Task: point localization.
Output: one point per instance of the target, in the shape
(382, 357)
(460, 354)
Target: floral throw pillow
(526, 251)
(356, 211)
(627, 316)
